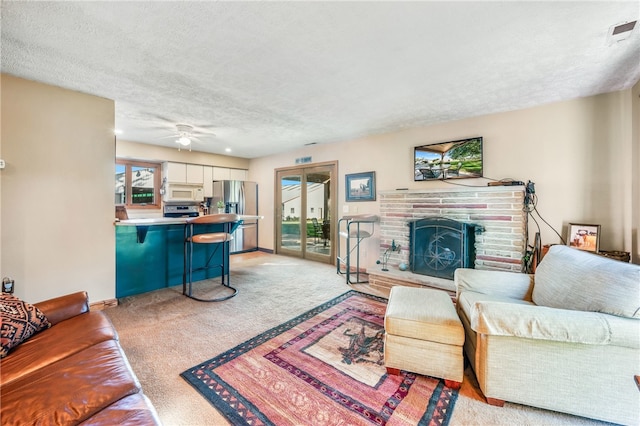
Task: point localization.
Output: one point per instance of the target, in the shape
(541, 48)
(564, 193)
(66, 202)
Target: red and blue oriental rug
(323, 367)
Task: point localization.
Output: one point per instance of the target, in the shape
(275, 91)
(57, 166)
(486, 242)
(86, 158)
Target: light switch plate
(2, 164)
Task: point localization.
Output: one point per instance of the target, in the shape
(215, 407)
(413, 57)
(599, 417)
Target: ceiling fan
(185, 136)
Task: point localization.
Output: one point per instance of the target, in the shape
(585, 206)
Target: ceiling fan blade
(165, 128)
(203, 135)
(205, 126)
(197, 130)
(160, 117)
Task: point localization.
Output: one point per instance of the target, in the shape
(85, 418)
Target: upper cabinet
(237, 174)
(183, 173)
(221, 173)
(175, 172)
(196, 174)
(207, 172)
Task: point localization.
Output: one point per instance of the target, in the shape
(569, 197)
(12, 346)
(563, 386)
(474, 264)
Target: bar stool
(354, 231)
(220, 239)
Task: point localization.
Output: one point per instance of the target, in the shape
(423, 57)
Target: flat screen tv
(459, 159)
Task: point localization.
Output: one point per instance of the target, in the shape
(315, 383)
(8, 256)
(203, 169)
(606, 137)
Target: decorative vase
(402, 266)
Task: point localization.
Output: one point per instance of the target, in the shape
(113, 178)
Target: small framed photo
(360, 187)
(584, 237)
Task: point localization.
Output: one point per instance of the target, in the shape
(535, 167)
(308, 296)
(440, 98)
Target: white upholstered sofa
(565, 339)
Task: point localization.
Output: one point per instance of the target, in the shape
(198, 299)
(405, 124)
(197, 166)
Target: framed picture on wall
(584, 237)
(360, 187)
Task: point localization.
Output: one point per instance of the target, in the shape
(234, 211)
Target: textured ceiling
(268, 77)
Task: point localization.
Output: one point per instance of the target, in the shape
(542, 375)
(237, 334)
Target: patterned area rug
(324, 367)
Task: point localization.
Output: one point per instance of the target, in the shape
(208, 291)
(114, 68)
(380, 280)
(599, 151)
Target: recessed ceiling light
(117, 132)
(227, 149)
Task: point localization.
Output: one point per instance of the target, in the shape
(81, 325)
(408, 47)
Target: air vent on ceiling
(623, 28)
(620, 32)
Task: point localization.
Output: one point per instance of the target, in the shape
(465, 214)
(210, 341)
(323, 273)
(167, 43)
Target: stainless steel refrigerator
(240, 197)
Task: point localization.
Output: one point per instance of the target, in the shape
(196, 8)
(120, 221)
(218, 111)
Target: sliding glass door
(305, 212)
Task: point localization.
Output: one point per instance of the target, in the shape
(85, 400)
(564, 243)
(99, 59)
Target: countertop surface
(168, 220)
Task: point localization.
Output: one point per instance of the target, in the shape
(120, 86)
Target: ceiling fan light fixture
(184, 130)
(184, 141)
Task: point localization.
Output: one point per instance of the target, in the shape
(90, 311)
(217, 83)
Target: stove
(181, 210)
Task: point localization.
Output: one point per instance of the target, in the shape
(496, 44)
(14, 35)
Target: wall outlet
(345, 208)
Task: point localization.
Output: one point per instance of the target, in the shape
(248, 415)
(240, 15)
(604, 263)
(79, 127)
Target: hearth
(438, 246)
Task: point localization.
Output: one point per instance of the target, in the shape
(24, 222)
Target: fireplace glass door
(439, 246)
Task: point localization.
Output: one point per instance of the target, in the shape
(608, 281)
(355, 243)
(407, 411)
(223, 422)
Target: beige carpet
(164, 333)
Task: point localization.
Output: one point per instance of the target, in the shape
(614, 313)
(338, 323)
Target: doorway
(305, 214)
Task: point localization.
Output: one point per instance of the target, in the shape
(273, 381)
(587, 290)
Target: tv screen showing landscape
(461, 159)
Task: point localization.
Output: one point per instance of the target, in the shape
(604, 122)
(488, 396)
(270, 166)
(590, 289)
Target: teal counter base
(157, 262)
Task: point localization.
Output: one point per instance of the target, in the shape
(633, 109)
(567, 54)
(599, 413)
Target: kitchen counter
(149, 253)
(168, 220)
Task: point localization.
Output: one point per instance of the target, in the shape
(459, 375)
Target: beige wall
(56, 228)
(579, 153)
(141, 151)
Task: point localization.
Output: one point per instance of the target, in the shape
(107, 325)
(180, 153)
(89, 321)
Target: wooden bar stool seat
(217, 238)
(220, 240)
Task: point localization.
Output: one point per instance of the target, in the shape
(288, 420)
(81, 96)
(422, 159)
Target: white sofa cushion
(513, 285)
(539, 322)
(468, 299)
(568, 278)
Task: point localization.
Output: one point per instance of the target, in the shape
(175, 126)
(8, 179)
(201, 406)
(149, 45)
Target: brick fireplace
(497, 210)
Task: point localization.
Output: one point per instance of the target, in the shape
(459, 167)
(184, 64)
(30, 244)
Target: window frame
(129, 164)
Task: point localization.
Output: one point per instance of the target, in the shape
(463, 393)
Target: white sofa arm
(543, 323)
(624, 331)
(498, 283)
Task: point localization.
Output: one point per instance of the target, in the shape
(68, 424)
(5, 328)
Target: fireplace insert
(438, 246)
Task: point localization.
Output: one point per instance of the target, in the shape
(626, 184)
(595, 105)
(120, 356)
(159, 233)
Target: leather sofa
(74, 372)
(566, 338)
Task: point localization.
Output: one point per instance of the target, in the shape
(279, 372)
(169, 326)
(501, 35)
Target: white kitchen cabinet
(207, 175)
(175, 172)
(183, 173)
(194, 173)
(221, 173)
(237, 174)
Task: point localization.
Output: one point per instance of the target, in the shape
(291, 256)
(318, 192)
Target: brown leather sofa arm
(64, 307)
